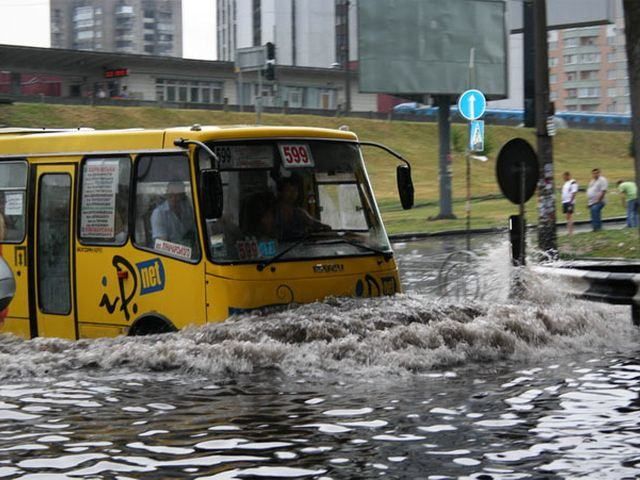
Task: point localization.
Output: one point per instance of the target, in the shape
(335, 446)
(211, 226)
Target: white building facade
(306, 33)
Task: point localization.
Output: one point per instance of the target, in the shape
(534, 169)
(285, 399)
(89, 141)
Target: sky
(26, 22)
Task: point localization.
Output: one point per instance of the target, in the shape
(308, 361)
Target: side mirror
(211, 195)
(405, 186)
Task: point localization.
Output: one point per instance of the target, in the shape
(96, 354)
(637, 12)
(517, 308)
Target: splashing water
(399, 335)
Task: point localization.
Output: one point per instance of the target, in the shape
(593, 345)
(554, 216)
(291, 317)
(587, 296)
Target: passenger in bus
(172, 220)
(291, 220)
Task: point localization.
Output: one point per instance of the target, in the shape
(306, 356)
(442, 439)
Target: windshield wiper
(387, 255)
(265, 263)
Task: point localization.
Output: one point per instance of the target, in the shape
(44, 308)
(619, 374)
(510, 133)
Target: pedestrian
(629, 194)
(569, 191)
(596, 191)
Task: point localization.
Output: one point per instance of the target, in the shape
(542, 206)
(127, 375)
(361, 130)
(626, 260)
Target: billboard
(568, 13)
(424, 46)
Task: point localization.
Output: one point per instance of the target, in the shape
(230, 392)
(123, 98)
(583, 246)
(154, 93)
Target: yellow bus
(147, 231)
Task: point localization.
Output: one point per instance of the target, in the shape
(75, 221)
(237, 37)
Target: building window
(590, 58)
(189, 91)
(611, 74)
(570, 59)
(588, 92)
(611, 92)
(571, 76)
(257, 22)
(553, 78)
(588, 41)
(82, 13)
(553, 61)
(342, 27)
(571, 92)
(589, 75)
(570, 42)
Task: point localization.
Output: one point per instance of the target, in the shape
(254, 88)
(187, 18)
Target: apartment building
(152, 27)
(588, 69)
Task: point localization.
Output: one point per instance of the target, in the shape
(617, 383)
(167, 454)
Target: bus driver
(172, 220)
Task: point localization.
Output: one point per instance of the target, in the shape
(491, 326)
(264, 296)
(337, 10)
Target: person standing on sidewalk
(569, 191)
(596, 191)
(629, 192)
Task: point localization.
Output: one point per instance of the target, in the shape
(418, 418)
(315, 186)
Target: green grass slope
(576, 150)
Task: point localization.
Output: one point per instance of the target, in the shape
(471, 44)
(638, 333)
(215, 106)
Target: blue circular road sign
(472, 104)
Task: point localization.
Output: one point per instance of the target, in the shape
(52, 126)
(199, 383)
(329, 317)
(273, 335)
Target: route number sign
(295, 155)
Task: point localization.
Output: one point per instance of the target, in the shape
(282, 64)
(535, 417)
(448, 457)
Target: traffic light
(269, 72)
(271, 52)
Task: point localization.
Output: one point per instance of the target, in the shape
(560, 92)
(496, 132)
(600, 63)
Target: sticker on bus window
(173, 249)
(295, 155)
(13, 203)
(99, 187)
(244, 156)
(250, 248)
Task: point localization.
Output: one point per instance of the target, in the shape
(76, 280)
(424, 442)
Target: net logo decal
(152, 276)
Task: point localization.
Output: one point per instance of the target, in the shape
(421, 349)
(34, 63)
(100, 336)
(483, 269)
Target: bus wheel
(151, 325)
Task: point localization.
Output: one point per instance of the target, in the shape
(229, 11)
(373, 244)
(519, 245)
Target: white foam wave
(400, 335)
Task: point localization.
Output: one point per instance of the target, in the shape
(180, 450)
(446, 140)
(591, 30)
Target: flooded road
(410, 387)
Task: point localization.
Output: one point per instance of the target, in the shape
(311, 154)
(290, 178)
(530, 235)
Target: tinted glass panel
(53, 243)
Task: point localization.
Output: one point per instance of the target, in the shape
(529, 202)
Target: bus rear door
(53, 281)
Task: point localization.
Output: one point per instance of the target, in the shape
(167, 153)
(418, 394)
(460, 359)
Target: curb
(482, 231)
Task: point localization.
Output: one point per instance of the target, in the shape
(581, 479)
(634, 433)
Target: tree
(632, 34)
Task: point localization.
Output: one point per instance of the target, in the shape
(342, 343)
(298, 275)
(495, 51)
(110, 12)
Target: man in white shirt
(172, 220)
(569, 191)
(596, 191)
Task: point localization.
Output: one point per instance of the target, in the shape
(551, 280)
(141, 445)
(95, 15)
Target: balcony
(124, 11)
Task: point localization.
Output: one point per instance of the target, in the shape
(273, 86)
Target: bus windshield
(293, 199)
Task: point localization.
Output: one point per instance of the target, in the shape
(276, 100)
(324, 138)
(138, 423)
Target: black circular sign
(515, 158)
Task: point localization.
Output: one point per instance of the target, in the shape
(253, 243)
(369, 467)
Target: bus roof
(27, 141)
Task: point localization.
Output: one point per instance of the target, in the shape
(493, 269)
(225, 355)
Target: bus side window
(164, 212)
(13, 187)
(104, 204)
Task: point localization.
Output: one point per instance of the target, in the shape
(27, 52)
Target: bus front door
(54, 289)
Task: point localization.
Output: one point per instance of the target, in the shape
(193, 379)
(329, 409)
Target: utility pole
(529, 63)
(547, 239)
